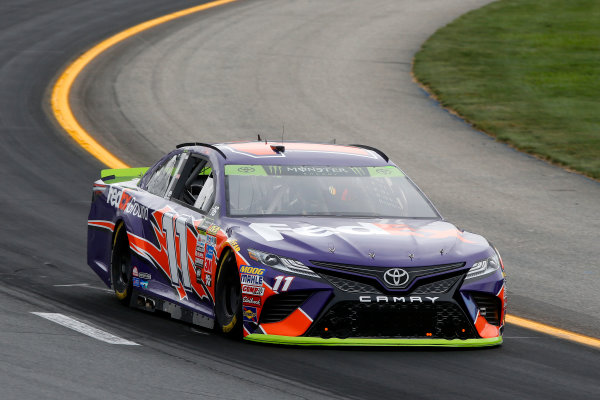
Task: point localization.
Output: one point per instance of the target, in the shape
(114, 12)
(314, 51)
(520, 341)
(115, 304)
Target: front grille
(441, 286)
(375, 275)
(489, 307)
(373, 320)
(350, 286)
(280, 306)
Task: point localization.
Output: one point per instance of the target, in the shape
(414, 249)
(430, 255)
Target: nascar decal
(125, 202)
(272, 232)
(175, 254)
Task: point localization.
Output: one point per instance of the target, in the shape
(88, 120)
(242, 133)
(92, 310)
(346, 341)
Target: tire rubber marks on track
(86, 329)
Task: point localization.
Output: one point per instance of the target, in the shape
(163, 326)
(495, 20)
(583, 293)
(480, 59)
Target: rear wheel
(121, 265)
(228, 297)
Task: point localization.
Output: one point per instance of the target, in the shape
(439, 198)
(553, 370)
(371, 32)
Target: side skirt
(151, 304)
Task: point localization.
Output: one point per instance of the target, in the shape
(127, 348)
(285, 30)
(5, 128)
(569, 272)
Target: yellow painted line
(550, 330)
(60, 92)
(64, 115)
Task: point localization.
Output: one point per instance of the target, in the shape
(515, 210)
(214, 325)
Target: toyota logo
(396, 277)
(246, 169)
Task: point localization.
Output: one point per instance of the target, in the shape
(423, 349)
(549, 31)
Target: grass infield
(526, 72)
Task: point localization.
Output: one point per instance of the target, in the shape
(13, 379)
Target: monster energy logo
(274, 169)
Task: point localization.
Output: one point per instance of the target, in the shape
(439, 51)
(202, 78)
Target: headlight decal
(484, 267)
(283, 264)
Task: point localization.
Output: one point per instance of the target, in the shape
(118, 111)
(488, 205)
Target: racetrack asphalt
(339, 69)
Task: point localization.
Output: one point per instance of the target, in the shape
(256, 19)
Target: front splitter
(316, 341)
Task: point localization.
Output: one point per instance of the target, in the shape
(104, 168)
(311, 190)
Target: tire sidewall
(121, 246)
(226, 323)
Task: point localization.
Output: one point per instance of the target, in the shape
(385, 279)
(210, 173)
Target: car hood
(359, 241)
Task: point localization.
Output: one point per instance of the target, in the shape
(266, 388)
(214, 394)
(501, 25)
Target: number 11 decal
(172, 226)
(278, 279)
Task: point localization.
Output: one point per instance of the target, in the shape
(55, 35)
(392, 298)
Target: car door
(178, 226)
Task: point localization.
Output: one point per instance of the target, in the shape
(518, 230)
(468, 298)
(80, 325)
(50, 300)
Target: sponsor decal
(209, 259)
(208, 280)
(249, 314)
(394, 299)
(126, 203)
(253, 290)
(143, 284)
(255, 301)
(272, 232)
(198, 275)
(249, 279)
(134, 271)
(246, 269)
(200, 244)
(136, 281)
(234, 244)
(213, 230)
(214, 210)
(211, 241)
(145, 275)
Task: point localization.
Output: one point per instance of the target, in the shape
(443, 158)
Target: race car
(294, 243)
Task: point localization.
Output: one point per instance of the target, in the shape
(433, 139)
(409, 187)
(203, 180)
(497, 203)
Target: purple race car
(294, 243)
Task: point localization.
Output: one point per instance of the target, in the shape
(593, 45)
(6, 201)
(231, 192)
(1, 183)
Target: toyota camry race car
(295, 243)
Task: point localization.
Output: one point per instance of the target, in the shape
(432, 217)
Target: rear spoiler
(122, 174)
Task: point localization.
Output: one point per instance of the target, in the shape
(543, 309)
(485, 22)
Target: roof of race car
(294, 153)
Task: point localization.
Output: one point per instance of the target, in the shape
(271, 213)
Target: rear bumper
(316, 341)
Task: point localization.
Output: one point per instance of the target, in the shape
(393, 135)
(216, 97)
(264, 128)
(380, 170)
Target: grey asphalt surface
(327, 71)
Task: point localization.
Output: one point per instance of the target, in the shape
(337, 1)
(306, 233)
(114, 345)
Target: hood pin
(372, 254)
(331, 248)
(411, 256)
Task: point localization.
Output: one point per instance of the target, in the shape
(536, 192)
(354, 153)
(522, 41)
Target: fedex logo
(272, 232)
(126, 203)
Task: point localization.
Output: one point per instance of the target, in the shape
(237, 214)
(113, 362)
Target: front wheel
(120, 263)
(228, 298)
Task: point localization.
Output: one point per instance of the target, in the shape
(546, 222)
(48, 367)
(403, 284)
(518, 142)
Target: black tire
(228, 298)
(120, 265)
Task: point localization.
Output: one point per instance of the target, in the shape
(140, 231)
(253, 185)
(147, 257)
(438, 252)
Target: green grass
(525, 71)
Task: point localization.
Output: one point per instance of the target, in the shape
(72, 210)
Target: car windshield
(380, 192)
